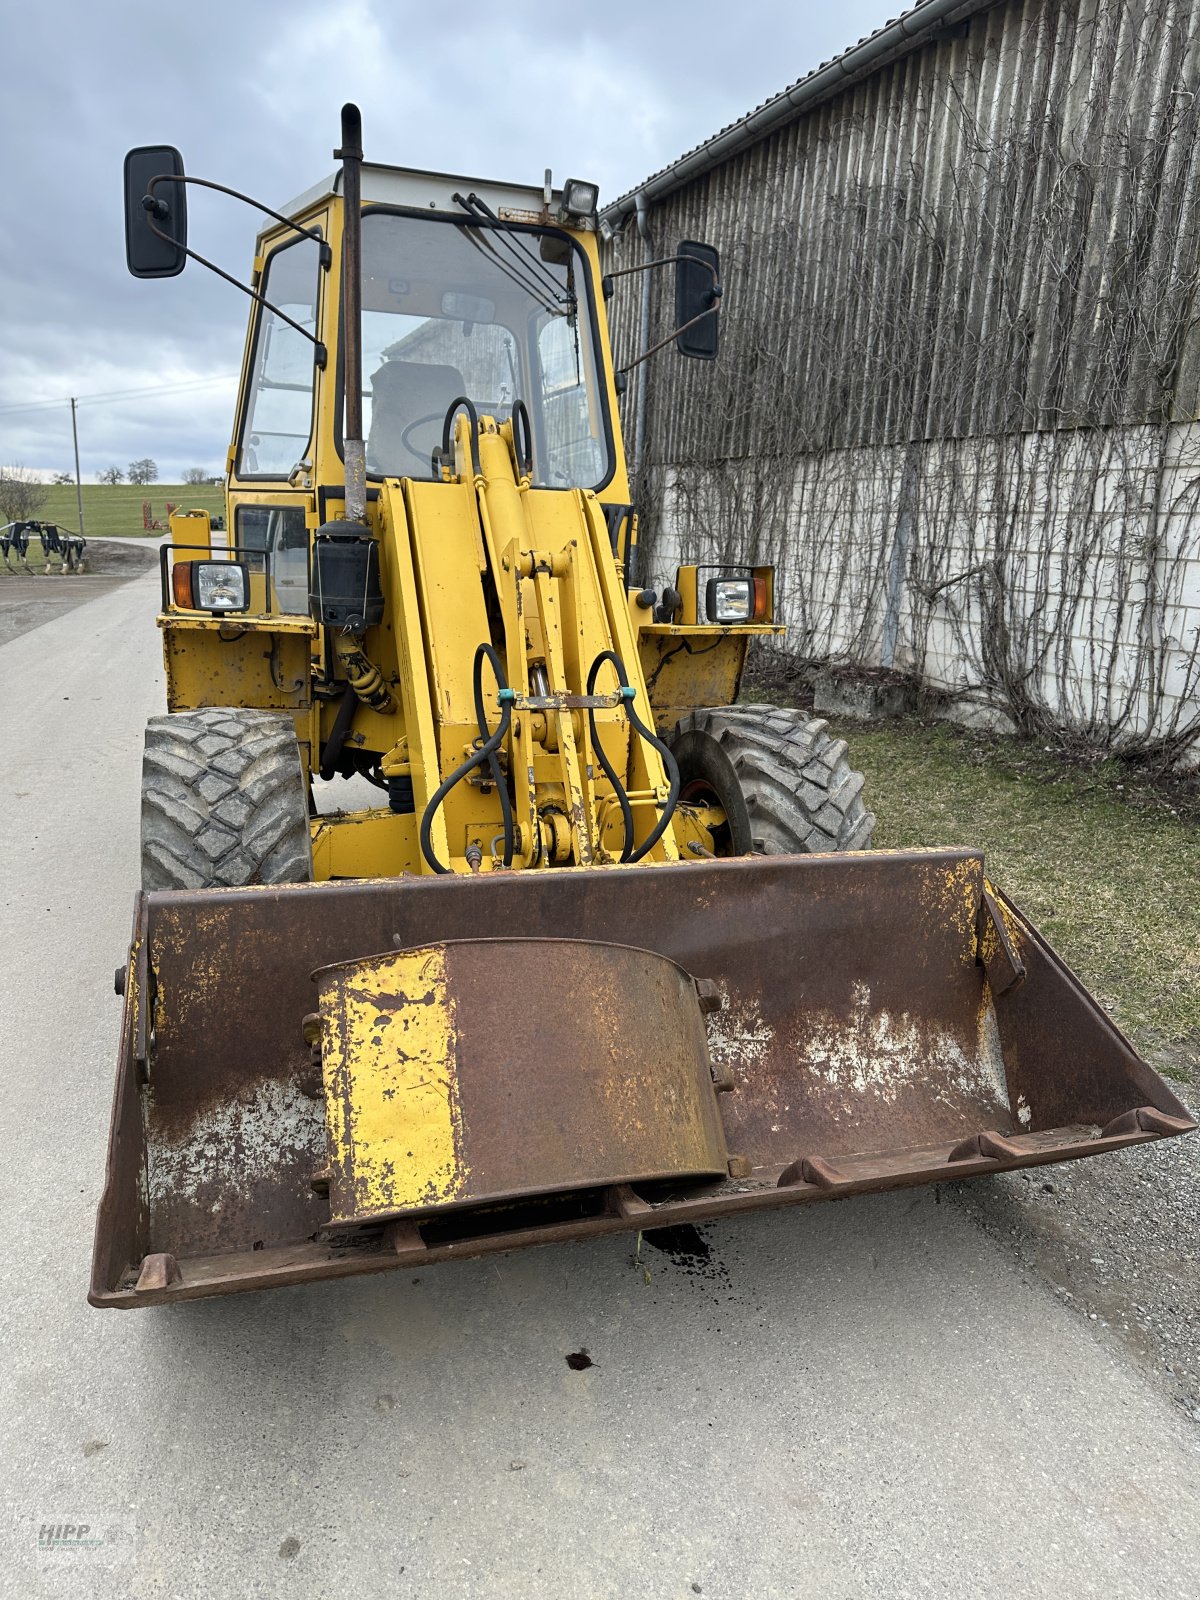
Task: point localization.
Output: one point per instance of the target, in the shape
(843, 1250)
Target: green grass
(116, 509)
(1101, 862)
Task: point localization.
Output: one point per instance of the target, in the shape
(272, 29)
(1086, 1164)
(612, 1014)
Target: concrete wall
(1052, 578)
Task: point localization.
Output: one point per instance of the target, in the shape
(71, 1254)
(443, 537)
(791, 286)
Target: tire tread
(247, 824)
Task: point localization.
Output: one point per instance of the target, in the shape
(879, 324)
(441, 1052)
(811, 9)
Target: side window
(275, 539)
(574, 454)
(252, 524)
(278, 422)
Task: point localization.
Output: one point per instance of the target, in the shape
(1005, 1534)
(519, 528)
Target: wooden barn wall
(996, 236)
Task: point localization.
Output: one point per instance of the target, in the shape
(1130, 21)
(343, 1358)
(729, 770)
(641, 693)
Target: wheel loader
(476, 912)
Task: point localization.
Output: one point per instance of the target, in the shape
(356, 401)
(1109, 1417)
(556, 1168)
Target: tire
(785, 784)
(223, 801)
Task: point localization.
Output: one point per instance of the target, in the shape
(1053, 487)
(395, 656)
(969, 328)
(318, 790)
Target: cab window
(277, 427)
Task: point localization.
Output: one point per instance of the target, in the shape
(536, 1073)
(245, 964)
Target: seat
(409, 401)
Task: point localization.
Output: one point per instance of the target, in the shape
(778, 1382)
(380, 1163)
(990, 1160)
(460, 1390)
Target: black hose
(628, 694)
(486, 752)
(609, 771)
(452, 410)
(334, 745)
(493, 759)
(522, 435)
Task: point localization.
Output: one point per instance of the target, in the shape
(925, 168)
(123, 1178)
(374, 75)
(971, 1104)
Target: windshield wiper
(474, 206)
(527, 286)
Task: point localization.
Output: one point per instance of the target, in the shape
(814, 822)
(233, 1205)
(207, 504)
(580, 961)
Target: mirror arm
(664, 261)
(321, 354)
(675, 332)
(326, 251)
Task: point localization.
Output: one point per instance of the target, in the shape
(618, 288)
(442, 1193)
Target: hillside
(116, 509)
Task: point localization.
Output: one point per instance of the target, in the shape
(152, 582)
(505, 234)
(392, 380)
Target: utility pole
(78, 483)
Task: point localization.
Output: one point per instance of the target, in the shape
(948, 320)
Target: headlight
(215, 586)
(729, 599)
(579, 199)
(221, 586)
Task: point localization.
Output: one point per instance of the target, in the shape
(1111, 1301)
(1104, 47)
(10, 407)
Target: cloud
(250, 93)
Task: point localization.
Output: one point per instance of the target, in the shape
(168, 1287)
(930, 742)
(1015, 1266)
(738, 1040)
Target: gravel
(1118, 1239)
(27, 600)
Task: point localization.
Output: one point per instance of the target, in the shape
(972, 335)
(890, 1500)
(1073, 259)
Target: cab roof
(434, 191)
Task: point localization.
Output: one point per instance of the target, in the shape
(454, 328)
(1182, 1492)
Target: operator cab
(470, 292)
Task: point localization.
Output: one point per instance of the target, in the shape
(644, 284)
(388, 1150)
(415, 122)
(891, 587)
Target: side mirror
(146, 252)
(697, 291)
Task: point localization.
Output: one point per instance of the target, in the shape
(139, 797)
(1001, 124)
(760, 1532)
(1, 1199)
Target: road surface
(863, 1399)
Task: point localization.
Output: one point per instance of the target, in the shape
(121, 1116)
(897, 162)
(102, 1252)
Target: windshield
(453, 309)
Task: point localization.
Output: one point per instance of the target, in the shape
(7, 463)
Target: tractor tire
(223, 801)
(784, 783)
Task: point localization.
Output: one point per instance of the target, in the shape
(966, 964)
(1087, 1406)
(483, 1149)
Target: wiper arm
(527, 286)
(479, 207)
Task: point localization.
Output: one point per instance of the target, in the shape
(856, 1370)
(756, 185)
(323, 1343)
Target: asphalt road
(864, 1399)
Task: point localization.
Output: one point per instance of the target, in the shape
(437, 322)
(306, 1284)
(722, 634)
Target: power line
(120, 394)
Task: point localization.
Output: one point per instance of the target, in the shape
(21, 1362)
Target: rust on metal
(1145, 1119)
(985, 1146)
(998, 946)
(859, 1023)
(481, 1070)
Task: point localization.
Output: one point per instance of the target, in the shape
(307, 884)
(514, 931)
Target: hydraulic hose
(493, 760)
(337, 736)
(486, 752)
(628, 694)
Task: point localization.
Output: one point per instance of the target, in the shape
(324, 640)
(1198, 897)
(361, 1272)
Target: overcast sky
(250, 92)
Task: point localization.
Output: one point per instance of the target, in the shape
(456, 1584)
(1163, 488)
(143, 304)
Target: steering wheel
(418, 422)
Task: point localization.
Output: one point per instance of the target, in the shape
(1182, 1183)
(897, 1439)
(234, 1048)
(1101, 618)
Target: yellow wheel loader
(590, 946)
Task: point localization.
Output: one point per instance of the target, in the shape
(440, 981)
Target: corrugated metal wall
(960, 370)
(998, 232)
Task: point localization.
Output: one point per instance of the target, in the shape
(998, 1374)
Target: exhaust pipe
(353, 445)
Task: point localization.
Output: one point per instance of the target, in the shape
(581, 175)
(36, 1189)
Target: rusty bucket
(709, 1039)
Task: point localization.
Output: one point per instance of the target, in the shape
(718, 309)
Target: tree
(195, 475)
(64, 477)
(21, 494)
(143, 471)
(112, 475)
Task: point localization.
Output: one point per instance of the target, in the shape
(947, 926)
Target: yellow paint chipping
(1012, 924)
(949, 892)
(392, 1107)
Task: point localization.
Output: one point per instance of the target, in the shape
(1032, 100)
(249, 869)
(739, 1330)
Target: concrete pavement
(860, 1399)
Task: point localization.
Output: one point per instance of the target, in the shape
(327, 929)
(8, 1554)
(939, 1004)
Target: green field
(116, 509)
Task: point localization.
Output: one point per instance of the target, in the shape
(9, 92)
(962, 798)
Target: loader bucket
(712, 1039)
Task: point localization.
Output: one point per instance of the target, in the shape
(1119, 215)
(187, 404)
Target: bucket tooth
(811, 1169)
(986, 1146)
(159, 1271)
(1145, 1119)
(402, 1237)
(626, 1203)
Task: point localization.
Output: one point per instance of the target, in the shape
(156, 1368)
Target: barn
(957, 396)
